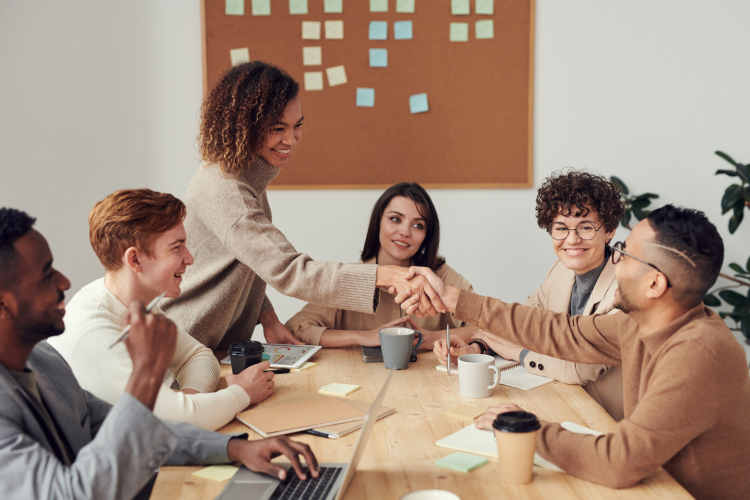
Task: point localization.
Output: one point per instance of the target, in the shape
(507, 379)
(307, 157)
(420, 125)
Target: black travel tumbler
(245, 353)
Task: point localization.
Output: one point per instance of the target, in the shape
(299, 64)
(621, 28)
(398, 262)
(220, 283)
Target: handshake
(418, 289)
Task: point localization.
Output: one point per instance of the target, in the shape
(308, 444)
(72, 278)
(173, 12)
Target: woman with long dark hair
(251, 121)
(404, 230)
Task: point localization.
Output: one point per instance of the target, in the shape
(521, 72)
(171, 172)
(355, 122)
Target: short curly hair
(582, 190)
(14, 224)
(239, 111)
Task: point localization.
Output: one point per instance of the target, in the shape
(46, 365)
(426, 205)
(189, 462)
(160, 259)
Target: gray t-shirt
(27, 380)
(582, 289)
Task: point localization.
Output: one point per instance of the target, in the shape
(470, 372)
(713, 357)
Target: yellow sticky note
(336, 76)
(314, 80)
(312, 56)
(335, 30)
(378, 5)
(219, 473)
(405, 6)
(465, 412)
(338, 389)
(311, 30)
(239, 56)
(307, 364)
(234, 7)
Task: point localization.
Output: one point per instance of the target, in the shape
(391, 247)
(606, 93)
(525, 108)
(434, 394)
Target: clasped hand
(419, 290)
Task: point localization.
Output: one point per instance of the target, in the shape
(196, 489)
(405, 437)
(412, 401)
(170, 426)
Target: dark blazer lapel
(32, 413)
(603, 284)
(61, 410)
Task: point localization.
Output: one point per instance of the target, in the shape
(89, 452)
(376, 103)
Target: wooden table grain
(401, 453)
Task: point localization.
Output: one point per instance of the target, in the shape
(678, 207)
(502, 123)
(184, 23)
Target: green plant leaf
(732, 194)
(745, 326)
(730, 173)
(734, 299)
(743, 173)
(640, 203)
(746, 194)
(726, 157)
(639, 214)
(711, 301)
(725, 315)
(737, 268)
(748, 262)
(617, 182)
(734, 223)
(626, 218)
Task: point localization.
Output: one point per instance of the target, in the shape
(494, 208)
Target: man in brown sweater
(685, 378)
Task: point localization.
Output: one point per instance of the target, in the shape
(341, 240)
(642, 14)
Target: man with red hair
(140, 240)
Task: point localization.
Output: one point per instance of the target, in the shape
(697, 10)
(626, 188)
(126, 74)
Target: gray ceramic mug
(396, 346)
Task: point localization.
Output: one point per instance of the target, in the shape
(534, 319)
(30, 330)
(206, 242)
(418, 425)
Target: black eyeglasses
(584, 230)
(618, 252)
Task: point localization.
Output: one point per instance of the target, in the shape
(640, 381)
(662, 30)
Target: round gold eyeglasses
(584, 230)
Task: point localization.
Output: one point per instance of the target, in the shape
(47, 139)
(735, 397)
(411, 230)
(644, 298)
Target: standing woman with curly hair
(251, 121)
(580, 211)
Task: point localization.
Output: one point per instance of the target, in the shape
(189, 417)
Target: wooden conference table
(401, 453)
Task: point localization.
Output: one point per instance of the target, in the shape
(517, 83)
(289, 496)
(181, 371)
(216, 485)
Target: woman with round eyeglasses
(580, 211)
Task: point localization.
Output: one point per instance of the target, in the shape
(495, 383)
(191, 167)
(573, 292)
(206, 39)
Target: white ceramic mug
(475, 375)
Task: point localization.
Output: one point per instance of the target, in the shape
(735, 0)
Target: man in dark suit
(57, 441)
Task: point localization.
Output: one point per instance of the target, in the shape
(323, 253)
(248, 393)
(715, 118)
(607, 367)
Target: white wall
(96, 96)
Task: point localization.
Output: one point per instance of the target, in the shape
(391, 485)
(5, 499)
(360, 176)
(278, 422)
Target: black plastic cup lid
(516, 421)
(246, 347)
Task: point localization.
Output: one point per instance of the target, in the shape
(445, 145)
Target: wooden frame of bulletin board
(477, 133)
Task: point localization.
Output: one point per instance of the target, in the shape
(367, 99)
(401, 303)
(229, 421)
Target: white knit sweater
(93, 321)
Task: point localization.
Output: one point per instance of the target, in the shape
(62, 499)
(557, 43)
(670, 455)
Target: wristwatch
(483, 347)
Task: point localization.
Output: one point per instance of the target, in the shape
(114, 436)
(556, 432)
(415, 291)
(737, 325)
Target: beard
(623, 301)
(37, 326)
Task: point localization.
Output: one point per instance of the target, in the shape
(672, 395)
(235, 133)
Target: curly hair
(13, 225)
(239, 111)
(582, 190)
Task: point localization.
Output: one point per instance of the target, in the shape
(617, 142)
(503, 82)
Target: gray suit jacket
(116, 449)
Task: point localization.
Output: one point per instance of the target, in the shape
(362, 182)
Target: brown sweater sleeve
(583, 339)
(309, 324)
(679, 405)
(257, 243)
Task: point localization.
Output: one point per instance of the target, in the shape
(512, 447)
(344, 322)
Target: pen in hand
(448, 340)
(124, 333)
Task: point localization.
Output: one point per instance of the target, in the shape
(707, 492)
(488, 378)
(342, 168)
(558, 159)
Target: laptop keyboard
(313, 489)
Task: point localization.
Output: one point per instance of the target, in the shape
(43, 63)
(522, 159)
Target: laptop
(331, 484)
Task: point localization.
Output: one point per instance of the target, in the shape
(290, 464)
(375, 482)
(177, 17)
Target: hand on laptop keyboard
(257, 455)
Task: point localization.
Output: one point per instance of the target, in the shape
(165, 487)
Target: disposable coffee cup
(396, 346)
(245, 353)
(477, 375)
(430, 495)
(515, 435)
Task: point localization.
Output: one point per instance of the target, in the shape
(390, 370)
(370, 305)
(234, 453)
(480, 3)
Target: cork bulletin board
(477, 131)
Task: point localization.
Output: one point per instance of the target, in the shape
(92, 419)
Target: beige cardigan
(238, 250)
(309, 324)
(602, 382)
(686, 393)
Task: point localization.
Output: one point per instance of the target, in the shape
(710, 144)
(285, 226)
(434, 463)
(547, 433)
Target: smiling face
(402, 231)
(40, 294)
(284, 135)
(162, 270)
(576, 253)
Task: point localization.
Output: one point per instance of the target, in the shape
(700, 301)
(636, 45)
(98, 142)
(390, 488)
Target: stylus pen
(448, 337)
(319, 434)
(125, 332)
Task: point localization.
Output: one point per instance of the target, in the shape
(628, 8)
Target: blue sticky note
(366, 97)
(378, 30)
(418, 103)
(402, 30)
(378, 58)
(298, 6)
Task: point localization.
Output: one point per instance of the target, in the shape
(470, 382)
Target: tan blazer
(309, 324)
(602, 382)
